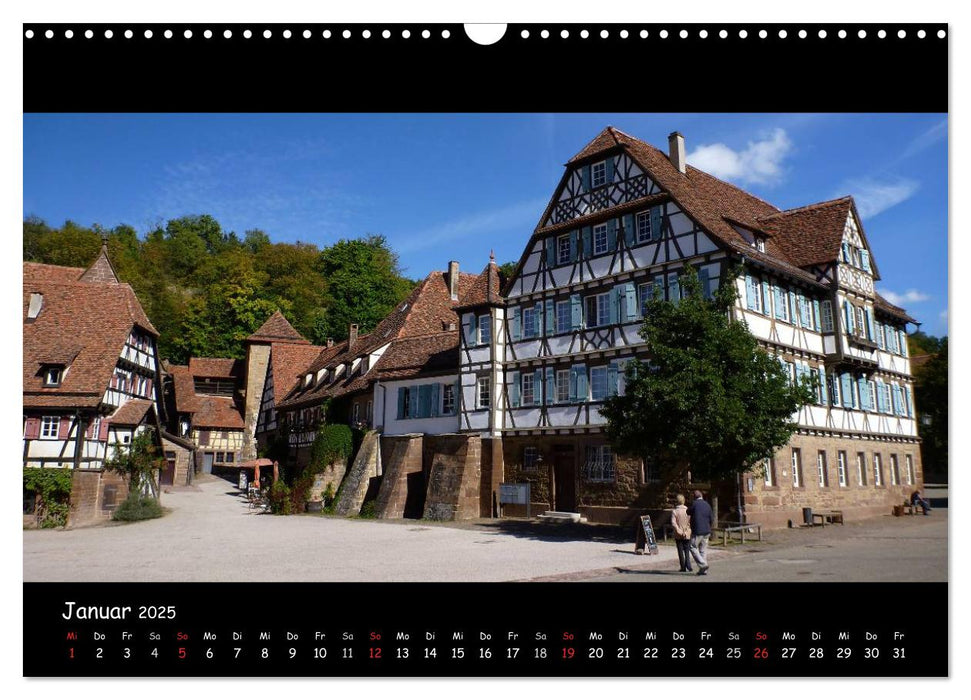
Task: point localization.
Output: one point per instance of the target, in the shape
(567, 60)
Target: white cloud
(875, 196)
(760, 162)
(926, 139)
(911, 296)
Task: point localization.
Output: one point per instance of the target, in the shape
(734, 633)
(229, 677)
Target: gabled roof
(810, 235)
(207, 411)
(83, 325)
(485, 289)
(604, 141)
(428, 311)
(883, 305)
(277, 329)
(101, 270)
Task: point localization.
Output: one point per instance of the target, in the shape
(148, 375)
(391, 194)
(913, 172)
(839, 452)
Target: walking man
(702, 520)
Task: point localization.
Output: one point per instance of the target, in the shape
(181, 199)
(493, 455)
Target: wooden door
(564, 482)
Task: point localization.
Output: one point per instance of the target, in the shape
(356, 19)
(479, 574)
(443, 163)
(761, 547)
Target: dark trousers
(923, 504)
(684, 553)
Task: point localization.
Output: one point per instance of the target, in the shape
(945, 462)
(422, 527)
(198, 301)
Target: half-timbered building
(90, 378)
(625, 220)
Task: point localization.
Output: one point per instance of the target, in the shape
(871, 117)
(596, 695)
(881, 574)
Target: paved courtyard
(210, 534)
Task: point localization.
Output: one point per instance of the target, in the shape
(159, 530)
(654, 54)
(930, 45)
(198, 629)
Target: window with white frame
(911, 476)
(826, 313)
(48, 426)
(528, 389)
(598, 383)
(841, 467)
(599, 465)
(483, 397)
(821, 469)
(53, 375)
(563, 250)
(485, 329)
(562, 385)
(600, 239)
(760, 244)
(564, 316)
(769, 467)
(796, 468)
(644, 227)
(861, 468)
(598, 310)
(448, 399)
(529, 322)
(644, 294)
(877, 471)
(598, 174)
(530, 458)
(894, 471)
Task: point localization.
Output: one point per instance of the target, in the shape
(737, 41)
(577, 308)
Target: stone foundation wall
(401, 462)
(366, 466)
(331, 477)
(94, 496)
(454, 477)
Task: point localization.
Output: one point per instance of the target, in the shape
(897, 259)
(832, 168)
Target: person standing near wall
(681, 523)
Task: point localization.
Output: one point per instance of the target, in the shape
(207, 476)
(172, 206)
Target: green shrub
(54, 488)
(369, 510)
(137, 507)
(333, 442)
(280, 499)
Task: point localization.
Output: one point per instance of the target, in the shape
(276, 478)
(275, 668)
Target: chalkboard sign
(648, 534)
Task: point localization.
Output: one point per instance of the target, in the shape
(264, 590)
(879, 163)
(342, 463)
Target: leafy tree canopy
(710, 399)
(930, 399)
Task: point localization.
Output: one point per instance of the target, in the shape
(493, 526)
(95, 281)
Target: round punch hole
(29, 34)
(783, 33)
(287, 34)
(723, 34)
(545, 34)
(742, 34)
(366, 33)
(565, 34)
(861, 33)
(643, 34)
(386, 34)
(109, 33)
(69, 34)
(346, 34)
(247, 34)
(207, 34)
(624, 34)
(524, 34)
(604, 33)
(88, 34)
(187, 33)
(168, 34)
(901, 34)
(446, 34)
(703, 33)
(683, 33)
(941, 34)
(326, 34)
(267, 33)
(822, 33)
(129, 34)
(803, 33)
(148, 33)
(882, 34)
(663, 34)
(405, 34)
(49, 34)
(763, 34)
(842, 34)
(584, 34)
(307, 34)
(425, 34)
(227, 34)
(921, 34)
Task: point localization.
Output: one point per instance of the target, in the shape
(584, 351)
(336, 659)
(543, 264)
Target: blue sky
(444, 187)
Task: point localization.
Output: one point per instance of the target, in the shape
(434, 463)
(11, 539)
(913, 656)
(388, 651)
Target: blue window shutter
(846, 251)
(658, 290)
(869, 323)
(846, 389)
(538, 387)
(861, 385)
(612, 378)
(550, 387)
(413, 402)
(903, 343)
(612, 234)
(436, 399)
(515, 323)
(780, 301)
(609, 167)
(424, 401)
(585, 177)
(630, 302)
(823, 394)
(574, 243)
(628, 223)
(514, 389)
(751, 292)
(705, 282)
(538, 310)
(574, 372)
(807, 313)
(865, 260)
(576, 311)
(656, 223)
(816, 314)
(587, 242)
(614, 304)
(880, 402)
(551, 251)
(401, 402)
(907, 406)
(582, 392)
(468, 325)
(848, 316)
(548, 305)
(766, 299)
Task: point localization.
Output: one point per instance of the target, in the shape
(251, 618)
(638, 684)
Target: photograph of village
(483, 347)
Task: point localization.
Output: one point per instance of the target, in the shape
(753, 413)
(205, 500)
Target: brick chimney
(453, 279)
(676, 151)
(351, 336)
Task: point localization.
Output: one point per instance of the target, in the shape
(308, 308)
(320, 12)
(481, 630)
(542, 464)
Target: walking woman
(682, 533)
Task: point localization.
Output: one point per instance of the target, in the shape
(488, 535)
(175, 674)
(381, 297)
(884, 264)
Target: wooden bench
(741, 529)
(909, 508)
(830, 517)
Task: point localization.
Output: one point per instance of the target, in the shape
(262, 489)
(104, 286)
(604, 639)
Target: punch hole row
(524, 34)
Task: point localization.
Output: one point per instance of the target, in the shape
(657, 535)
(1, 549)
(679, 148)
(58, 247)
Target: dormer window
(599, 174)
(308, 380)
(53, 375)
(760, 244)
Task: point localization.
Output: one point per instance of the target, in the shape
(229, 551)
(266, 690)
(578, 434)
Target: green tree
(710, 399)
(364, 283)
(34, 232)
(137, 463)
(919, 343)
(70, 245)
(930, 400)
(507, 269)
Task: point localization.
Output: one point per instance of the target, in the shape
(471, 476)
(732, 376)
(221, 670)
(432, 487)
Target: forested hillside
(206, 289)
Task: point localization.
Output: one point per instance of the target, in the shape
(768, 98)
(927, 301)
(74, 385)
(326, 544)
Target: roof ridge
(807, 207)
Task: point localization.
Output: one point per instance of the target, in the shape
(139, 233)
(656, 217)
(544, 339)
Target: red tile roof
(206, 411)
(131, 413)
(810, 235)
(485, 289)
(83, 325)
(287, 362)
(428, 311)
(276, 329)
(222, 367)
